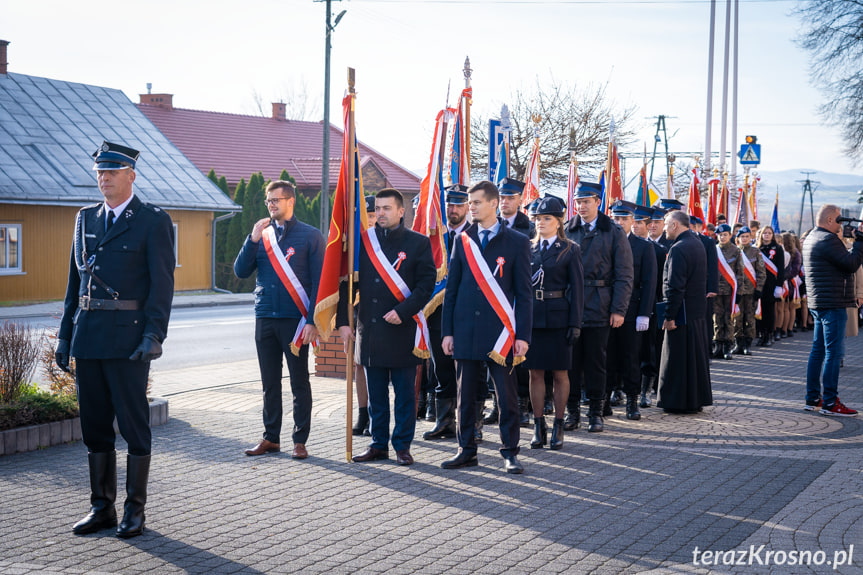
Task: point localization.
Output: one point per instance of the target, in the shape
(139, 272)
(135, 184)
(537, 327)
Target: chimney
(161, 100)
(279, 111)
(3, 62)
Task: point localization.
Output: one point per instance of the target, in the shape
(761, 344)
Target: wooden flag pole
(467, 102)
(351, 196)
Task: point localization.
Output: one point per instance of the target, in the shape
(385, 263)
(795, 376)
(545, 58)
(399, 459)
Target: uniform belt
(88, 303)
(543, 295)
(597, 283)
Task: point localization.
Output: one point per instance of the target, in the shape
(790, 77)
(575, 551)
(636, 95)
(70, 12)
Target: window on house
(10, 248)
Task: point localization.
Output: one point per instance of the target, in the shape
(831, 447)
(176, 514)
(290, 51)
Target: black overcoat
(561, 271)
(644, 273)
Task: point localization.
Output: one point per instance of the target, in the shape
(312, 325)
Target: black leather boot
(103, 493)
(445, 425)
(616, 398)
(137, 474)
(594, 415)
(632, 408)
(462, 459)
(645, 391)
(747, 345)
(540, 433)
(524, 411)
(556, 441)
(606, 407)
(737, 346)
(573, 416)
(494, 414)
(422, 405)
(431, 408)
(477, 434)
(726, 350)
(362, 423)
(768, 339)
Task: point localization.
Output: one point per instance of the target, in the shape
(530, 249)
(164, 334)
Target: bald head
(826, 218)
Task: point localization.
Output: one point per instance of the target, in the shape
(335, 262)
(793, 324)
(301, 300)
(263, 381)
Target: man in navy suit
(115, 318)
(489, 290)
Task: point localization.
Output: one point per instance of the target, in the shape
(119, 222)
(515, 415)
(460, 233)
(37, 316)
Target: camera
(848, 230)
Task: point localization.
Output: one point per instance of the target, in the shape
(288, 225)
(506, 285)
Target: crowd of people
(543, 313)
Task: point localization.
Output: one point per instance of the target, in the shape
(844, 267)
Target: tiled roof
(49, 129)
(236, 146)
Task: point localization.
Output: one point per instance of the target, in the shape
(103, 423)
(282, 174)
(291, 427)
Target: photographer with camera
(829, 267)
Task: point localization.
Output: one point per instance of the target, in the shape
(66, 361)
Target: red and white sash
(397, 287)
(291, 283)
(770, 266)
(748, 268)
(491, 290)
(730, 277)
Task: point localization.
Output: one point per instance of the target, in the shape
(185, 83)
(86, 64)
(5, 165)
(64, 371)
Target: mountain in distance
(827, 188)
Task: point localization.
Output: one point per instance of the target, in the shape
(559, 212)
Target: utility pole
(660, 127)
(325, 155)
(807, 189)
(709, 122)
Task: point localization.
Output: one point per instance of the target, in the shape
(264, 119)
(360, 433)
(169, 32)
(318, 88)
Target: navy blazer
(645, 271)
(467, 315)
(382, 344)
(272, 298)
(136, 259)
(561, 271)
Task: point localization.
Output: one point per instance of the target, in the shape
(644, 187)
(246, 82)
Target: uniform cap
(743, 230)
(370, 203)
(456, 194)
(722, 228)
(668, 204)
(112, 156)
(511, 187)
(588, 190)
(552, 206)
(622, 208)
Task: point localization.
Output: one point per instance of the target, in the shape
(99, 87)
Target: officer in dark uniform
(696, 226)
(115, 318)
(481, 338)
(444, 365)
(624, 342)
(511, 197)
(652, 345)
(667, 205)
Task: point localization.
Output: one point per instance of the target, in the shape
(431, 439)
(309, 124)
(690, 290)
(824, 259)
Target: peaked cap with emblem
(112, 156)
(456, 194)
(551, 206)
(669, 204)
(511, 187)
(588, 190)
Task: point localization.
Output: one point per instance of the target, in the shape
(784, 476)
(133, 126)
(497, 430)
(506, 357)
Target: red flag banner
(531, 178)
(614, 189)
(713, 198)
(695, 196)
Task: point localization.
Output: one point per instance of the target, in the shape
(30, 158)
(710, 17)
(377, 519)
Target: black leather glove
(572, 335)
(148, 350)
(61, 355)
(757, 294)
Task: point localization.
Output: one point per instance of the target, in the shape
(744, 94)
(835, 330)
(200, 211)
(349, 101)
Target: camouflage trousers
(722, 326)
(744, 323)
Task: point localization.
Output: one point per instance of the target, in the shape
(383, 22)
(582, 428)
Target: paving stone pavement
(753, 470)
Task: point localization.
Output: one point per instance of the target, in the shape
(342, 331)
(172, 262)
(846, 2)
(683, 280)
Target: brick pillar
(330, 361)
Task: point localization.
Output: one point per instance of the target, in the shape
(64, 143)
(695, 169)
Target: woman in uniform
(558, 287)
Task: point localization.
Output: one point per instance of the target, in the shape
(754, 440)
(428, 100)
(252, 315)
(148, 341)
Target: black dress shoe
(371, 454)
(462, 459)
(511, 464)
(404, 457)
(572, 419)
(594, 423)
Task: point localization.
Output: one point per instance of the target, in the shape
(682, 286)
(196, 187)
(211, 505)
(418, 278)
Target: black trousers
(443, 364)
(768, 313)
(273, 339)
(624, 349)
(588, 364)
(114, 387)
(470, 377)
(649, 352)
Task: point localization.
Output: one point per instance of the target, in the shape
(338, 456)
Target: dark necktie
(110, 220)
(484, 241)
(544, 247)
(279, 231)
(506, 223)
(451, 238)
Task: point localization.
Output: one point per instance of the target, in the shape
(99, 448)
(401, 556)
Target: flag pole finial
(467, 69)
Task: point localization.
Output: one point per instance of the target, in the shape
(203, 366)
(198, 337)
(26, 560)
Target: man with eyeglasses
(288, 255)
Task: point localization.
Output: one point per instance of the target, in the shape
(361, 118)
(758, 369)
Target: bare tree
(833, 35)
(564, 109)
(299, 104)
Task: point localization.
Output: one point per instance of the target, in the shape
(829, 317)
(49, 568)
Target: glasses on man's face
(273, 201)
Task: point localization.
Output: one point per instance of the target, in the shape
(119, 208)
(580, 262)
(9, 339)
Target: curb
(35, 437)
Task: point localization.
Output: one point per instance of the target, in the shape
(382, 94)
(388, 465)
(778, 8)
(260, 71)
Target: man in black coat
(697, 226)
(651, 347)
(607, 260)
(115, 318)
(396, 279)
(684, 374)
(488, 289)
(624, 343)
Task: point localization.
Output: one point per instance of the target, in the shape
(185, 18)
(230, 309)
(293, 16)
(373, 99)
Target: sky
(224, 55)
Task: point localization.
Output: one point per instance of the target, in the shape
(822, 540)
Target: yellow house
(48, 131)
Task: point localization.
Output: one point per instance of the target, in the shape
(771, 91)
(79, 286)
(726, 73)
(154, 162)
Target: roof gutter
(227, 216)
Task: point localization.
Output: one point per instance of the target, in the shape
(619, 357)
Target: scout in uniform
(754, 275)
(725, 305)
(115, 318)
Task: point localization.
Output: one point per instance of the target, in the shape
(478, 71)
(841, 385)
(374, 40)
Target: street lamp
(325, 156)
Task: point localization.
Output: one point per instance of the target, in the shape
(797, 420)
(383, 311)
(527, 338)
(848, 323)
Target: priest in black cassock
(684, 374)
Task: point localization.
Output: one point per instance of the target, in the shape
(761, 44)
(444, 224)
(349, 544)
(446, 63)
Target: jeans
(404, 408)
(828, 342)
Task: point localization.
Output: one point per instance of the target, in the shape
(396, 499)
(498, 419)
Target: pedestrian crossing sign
(750, 154)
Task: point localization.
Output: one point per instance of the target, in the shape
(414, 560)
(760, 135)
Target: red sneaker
(838, 409)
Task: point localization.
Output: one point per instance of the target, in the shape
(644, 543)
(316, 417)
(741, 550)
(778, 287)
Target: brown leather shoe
(264, 447)
(299, 451)
(370, 454)
(404, 457)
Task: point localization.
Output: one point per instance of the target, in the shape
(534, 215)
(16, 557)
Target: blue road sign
(750, 154)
